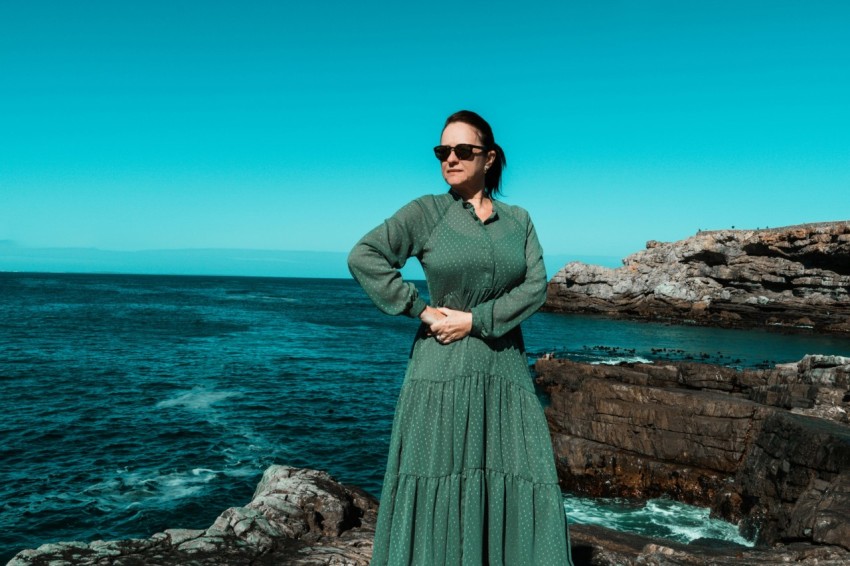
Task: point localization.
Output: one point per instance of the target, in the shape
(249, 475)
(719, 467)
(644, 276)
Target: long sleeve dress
(470, 476)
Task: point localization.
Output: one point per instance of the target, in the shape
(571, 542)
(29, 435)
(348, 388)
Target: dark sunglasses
(462, 150)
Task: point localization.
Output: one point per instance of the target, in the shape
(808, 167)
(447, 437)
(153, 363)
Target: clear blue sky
(300, 126)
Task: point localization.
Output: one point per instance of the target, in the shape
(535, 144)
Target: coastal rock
(768, 449)
(598, 546)
(297, 516)
(792, 277)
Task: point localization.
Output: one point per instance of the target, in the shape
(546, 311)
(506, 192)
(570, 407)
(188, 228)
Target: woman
(470, 475)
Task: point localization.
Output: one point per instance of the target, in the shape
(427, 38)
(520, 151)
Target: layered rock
(297, 516)
(792, 277)
(767, 448)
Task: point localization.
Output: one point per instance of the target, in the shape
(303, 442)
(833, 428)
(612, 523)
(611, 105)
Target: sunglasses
(462, 151)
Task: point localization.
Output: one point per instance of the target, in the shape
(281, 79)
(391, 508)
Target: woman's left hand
(455, 326)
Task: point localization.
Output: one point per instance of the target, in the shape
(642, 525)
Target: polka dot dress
(471, 475)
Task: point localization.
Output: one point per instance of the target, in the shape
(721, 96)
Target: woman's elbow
(540, 293)
(356, 259)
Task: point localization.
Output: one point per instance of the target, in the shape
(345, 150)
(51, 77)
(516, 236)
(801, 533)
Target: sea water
(653, 518)
(132, 404)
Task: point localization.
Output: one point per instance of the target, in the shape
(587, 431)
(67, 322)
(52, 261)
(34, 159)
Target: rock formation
(297, 516)
(792, 277)
(769, 449)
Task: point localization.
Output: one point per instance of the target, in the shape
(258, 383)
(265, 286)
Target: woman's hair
(493, 177)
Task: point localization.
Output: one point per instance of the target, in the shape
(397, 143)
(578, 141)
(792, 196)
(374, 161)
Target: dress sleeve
(376, 259)
(494, 318)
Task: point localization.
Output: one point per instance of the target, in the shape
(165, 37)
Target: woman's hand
(430, 316)
(453, 326)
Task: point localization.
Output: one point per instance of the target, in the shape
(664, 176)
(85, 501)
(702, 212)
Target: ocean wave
(197, 399)
(154, 489)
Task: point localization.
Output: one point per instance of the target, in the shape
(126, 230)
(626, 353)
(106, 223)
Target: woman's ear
(491, 158)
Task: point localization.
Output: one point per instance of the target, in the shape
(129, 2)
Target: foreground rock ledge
(796, 277)
(297, 516)
(303, 517)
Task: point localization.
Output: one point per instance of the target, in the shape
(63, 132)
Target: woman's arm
(376, 259)
(496, 317)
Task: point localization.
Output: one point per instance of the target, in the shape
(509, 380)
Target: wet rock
(598, 546)
(795, 277)
(768, 449)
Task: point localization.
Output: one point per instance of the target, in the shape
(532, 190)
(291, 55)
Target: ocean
(133, 403)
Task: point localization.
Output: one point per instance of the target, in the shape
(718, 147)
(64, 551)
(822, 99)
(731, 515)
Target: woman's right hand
(429, 316)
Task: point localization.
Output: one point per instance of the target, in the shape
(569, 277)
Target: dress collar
(493, 216)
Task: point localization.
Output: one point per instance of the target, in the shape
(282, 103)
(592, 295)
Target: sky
(276, 127)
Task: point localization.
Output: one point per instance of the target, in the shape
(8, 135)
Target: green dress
(470, 475)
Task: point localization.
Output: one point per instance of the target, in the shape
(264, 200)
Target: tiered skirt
(470, 474)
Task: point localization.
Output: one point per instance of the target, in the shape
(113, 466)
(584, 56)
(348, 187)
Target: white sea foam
(619, 360)
(666, 508)
(661, 518)
(130, 489)
(196, 399)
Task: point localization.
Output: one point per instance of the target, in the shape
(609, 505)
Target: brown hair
(493, 177)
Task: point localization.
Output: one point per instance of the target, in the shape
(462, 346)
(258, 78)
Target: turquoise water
(655, 518)
(590, 338)
(139, 403)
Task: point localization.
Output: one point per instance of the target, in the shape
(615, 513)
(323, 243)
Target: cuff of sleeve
(416, 308)
(479, 321)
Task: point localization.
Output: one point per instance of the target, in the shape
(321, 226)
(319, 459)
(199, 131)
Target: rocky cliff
(769, 449)
(793, 277)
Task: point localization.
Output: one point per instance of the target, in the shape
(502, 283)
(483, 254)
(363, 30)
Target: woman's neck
(471, 195)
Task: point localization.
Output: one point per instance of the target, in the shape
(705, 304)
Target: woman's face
(467, 176)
